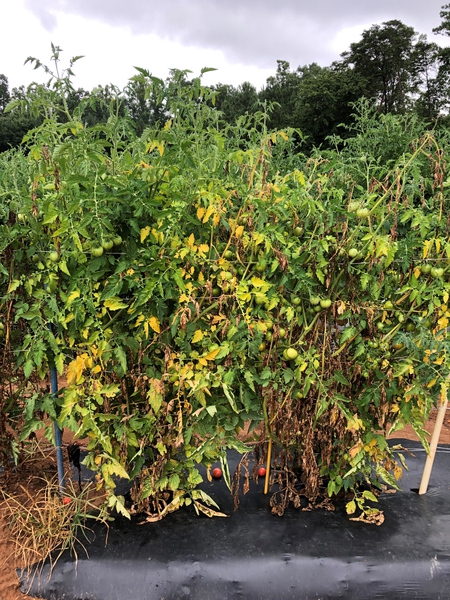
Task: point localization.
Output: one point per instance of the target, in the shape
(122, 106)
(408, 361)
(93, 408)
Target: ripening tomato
(217, 473)
(261, 472)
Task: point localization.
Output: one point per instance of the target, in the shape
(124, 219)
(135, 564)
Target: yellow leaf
(72, 296)
(198, 335)
(426, 245)
(417, 272)
(200, 212)
(114, 303)
(356, 449)
(350, 507)
(154, 324)
(438, 245)
(209, 212)
(283, 135)
(443, 322)
(212, 355)
(145, 231)
(239, 231)
(75, 370)
(398, 472)
(260, 283)
(139, 320)
(432, 382)
(190, 242)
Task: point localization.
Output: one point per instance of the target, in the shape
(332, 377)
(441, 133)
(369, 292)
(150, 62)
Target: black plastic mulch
(255, 555)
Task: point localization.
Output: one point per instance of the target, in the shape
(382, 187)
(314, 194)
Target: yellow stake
(269, 457)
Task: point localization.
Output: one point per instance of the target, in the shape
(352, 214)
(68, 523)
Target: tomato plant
(186, 304)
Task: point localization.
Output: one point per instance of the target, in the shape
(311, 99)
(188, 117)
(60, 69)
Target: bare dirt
(28, 474)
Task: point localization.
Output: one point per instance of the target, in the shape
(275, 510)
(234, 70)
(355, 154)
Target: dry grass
(42, 524)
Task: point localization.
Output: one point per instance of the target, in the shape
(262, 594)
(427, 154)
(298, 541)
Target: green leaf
(386, 477)
(174, 482)
(28, 368)
(340, 378)
(212, 410)
(122, 357)
(230, 396)
(369, 496)
(250, 380)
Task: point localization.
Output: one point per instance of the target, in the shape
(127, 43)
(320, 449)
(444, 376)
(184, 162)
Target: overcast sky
(241, 38)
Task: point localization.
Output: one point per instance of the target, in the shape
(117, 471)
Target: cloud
(251, 32)
(47, 18)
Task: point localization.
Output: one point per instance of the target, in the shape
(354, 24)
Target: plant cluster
(201, 276)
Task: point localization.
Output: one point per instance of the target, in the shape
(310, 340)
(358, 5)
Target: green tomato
(291, 353)
(97, 251)
(363, 213)
(437, 272)
(282, 332)
(325, 303)
(54, 256)
(295, 300)
(107, 244)
(425, 268)
(261, 266)
(388, 305)
(353, 206)
(353, 252)
(314, 300)
(117, 240)
(298, 230)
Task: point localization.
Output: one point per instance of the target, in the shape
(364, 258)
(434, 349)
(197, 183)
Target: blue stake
(57, 433)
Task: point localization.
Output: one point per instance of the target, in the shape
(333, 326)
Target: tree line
(394, 66)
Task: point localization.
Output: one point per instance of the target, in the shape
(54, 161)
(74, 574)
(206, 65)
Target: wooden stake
(269, 458)
(433, 446)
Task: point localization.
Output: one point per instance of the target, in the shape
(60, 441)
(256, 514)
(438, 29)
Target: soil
(44, 464)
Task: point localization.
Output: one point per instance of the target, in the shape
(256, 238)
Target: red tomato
(261, 472)
(217, 473)
(66, 500)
